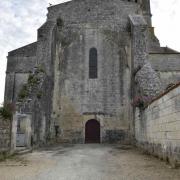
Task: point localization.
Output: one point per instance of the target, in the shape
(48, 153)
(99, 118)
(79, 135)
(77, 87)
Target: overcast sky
(20, 19)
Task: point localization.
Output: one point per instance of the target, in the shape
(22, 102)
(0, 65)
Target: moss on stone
(39, 69)
(33, 80)
(39, 94)
(24, 92)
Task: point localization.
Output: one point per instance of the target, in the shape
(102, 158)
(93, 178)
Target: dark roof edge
(165, 92)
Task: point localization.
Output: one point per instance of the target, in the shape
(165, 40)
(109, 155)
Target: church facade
(77, 82)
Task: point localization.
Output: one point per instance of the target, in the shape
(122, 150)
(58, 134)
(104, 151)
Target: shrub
(33, 80)
(7, 110)
(24, 92)
(40, 69)
(141, 101)
(3, 155)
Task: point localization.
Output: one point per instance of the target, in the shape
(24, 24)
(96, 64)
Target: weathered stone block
(161, 136)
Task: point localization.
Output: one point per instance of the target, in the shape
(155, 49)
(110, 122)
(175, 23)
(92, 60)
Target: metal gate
(21, 130)
(92, 131)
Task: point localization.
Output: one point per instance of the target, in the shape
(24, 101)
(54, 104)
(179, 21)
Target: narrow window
(93, 63)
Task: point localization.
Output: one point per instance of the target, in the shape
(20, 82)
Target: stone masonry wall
(78, 98)
(167, 66)
(157, 128)
(69, 97)
(146, 79)
(110, 14)
(4, 135)
(20, 63)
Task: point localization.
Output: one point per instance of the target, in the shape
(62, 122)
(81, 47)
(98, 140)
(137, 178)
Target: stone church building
(76, 83)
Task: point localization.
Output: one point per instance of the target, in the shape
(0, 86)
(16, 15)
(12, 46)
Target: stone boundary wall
(157, 128)
(5, 134)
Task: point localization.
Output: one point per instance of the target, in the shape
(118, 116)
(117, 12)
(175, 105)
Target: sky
(20, 19)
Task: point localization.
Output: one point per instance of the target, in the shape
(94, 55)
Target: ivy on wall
(33, 82)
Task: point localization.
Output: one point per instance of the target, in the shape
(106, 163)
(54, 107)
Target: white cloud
(18, 26)
(20, 19)
(166, 17)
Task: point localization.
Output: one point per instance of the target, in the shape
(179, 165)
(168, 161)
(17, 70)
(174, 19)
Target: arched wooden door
(92, 131)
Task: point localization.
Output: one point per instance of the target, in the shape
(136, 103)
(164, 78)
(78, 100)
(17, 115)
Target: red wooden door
(92, 131)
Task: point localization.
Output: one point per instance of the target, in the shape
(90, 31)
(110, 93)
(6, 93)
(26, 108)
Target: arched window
(93, 64)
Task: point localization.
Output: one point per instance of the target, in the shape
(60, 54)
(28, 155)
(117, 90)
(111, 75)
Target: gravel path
(87, 162)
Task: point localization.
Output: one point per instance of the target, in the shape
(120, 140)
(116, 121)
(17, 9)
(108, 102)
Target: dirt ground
(87, 162)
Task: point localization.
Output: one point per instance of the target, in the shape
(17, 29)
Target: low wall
(157, 128)
(5, 127)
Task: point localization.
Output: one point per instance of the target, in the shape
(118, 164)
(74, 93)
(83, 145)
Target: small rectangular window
(93, 71)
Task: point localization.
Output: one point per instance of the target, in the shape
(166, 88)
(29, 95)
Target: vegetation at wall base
(7, 110)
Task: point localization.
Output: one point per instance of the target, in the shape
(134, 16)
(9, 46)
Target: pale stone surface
(87, 162)
(158, 126)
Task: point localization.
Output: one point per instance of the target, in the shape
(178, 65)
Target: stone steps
(22, 150)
